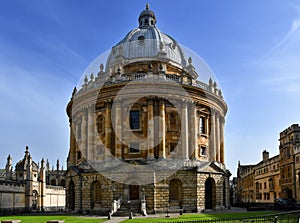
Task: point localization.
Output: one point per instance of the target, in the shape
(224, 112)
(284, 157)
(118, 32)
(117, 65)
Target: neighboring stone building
(233, 191)
(289, 161)
(25, 189)
(260, 182)
(245, 183)
(145, 132)
(273, 177)
(267, 186)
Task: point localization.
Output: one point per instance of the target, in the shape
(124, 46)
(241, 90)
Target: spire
(147, 17)
(57, 165)
(9, 160)
(26, 151)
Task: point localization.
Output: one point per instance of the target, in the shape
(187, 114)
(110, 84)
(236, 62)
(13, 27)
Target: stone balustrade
(90, 84)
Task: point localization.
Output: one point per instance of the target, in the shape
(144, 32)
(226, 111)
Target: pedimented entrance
(134, 192)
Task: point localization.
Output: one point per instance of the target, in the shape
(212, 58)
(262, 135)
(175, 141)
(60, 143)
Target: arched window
(173, 124)
(34, 199)
(79, 155)
(71, 197)
(100, 124)
(63, 183)
(96, 194)
(53, 182)
(271, 184)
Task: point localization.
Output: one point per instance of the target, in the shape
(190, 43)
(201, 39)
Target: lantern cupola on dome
(147, 17)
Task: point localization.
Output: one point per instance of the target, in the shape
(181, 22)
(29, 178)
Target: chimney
(265, 155)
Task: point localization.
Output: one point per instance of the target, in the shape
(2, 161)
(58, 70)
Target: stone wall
(12, 195)
(55, 198)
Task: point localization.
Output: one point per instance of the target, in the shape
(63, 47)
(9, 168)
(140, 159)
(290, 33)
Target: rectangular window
(134, 148)
(202, 125)
(172, 147)
(203, 150)
(134, 120)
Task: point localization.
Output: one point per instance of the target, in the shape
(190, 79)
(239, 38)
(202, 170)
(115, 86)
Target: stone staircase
(126, 208)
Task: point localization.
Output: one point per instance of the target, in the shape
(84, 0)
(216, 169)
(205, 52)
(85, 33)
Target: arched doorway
(34, 200)
(175, 193)
(96, 194)
(224, 193)
(210, 193)
(134, 192)
(71, 195)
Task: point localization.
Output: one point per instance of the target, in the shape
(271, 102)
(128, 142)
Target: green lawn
(45, 218)
(191, 217)
(84, 219)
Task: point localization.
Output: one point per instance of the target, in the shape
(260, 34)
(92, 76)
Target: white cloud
(281, 65)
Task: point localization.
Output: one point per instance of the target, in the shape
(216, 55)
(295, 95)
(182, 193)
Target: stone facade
(25, 188)
(273, 177)
(259, 183)
(146, 131)
(289, 161)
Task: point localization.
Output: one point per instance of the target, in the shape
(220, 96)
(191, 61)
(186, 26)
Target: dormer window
(146, 22)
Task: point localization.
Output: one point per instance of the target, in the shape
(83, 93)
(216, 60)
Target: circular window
(141, 40)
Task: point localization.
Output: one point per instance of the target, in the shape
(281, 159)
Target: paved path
(161, 215)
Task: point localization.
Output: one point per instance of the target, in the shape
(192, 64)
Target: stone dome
(146, 43)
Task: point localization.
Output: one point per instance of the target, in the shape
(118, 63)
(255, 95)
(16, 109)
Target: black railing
(287, 217)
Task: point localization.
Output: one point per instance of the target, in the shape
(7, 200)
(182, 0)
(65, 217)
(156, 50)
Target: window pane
(134, 120)
(134, 148)
(202, 125)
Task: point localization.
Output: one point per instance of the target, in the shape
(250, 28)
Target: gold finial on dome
(147, 6)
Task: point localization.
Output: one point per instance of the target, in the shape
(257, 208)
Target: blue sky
(253, 47)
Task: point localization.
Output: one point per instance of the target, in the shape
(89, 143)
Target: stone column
(184, 131)
(222, 140)
(72, 145)
(91, 134)
(83, 145)
(217, 137)
(108, 150)
(193, 131)
(162, 129)
(118, 129)
(150, 128)
(212, 140)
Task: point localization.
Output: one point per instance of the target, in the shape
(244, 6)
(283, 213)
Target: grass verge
(45, 218)
(191, 217)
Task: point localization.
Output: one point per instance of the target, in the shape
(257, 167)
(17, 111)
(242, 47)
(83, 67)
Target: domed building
(145, 134)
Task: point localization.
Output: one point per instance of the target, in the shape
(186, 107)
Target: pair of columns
(188, 127)
(217, 137)
(151, 138)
